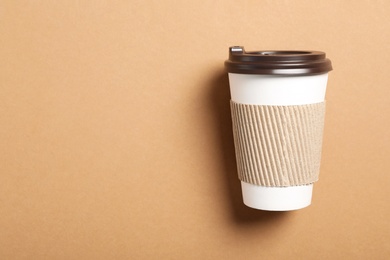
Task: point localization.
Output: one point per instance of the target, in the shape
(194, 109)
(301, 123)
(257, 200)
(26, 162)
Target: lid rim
(278, 62)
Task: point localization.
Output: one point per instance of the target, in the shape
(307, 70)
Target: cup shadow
(218, 97)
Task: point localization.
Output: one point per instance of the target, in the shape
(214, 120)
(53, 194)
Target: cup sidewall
(282, 91)
(277, 90)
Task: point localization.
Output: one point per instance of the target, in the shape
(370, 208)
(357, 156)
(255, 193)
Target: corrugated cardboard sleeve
(278, 145)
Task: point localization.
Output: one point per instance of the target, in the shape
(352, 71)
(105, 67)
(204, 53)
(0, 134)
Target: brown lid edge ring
(277, 62)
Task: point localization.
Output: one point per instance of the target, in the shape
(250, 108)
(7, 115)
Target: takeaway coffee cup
(278, 109)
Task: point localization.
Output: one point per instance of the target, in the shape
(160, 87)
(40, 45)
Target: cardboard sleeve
(278, 146)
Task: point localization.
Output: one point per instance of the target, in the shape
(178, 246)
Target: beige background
(116, 138)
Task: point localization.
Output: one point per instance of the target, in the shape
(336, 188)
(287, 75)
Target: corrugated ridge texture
(278, 145)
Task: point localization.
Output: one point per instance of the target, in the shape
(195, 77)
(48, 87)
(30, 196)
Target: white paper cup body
(284, 91)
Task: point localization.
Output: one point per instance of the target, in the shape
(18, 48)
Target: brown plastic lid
(277, 62)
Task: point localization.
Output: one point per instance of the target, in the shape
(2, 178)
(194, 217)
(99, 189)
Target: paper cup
(276, 80)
